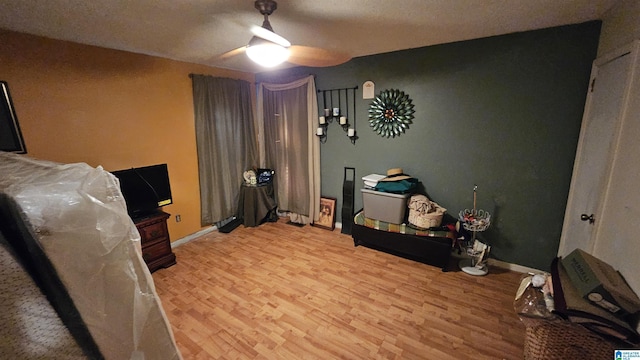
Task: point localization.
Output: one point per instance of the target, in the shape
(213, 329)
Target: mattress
(31, 328)
(68, 226)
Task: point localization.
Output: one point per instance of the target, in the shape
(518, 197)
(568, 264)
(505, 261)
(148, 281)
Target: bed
(425, 246)
(73, 284)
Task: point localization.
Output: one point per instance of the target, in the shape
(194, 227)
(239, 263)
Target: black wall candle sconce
(330, 112)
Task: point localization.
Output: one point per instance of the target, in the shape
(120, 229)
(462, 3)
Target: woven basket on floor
(559, 339)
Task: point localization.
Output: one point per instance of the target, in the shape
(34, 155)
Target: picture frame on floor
(327, 217)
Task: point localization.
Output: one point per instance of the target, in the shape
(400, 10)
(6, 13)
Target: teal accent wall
(503, 113)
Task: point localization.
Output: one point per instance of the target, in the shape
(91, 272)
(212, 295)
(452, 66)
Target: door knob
(590, 218)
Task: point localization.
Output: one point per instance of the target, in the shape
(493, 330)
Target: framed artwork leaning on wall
(327, 218)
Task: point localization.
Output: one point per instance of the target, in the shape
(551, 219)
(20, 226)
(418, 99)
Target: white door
(616, 238)
(601, 124)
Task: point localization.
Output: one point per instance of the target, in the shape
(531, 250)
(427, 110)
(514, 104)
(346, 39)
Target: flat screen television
(10, 136)
(145, 189)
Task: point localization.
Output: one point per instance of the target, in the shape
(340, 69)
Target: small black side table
(256, 203)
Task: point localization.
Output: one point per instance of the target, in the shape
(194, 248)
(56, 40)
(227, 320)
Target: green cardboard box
(600, 283)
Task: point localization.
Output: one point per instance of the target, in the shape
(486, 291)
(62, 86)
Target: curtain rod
(192, 75)
(218, 77)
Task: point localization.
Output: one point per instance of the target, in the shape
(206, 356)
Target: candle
(351, 132)
(336, 111)
(322, 120)
(319, 131)
(327, 112)
(343, 120)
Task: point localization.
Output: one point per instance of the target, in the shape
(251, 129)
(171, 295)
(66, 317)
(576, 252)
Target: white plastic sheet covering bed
(78, 216)
(31, 329)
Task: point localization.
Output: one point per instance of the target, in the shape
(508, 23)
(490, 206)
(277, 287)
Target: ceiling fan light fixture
(266, 53)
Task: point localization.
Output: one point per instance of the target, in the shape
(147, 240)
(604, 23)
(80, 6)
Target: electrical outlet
(178, 218)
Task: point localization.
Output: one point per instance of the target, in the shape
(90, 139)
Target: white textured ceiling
(199, 31)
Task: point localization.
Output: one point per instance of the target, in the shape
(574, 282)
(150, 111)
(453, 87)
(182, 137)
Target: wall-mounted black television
(10, 135)
(145, 189)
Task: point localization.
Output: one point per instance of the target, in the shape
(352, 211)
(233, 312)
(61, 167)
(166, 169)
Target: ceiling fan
(270, 49)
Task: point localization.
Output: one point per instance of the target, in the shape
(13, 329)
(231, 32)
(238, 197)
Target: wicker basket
(424, 213)
(560, 339)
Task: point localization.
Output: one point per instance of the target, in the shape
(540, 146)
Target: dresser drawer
(154, 238)
(155, 251)
(153, 231)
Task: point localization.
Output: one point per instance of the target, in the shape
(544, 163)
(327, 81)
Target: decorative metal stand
(348, 190)
(475, 220)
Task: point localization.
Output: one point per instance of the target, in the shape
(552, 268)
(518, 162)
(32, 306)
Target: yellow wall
(78, 103)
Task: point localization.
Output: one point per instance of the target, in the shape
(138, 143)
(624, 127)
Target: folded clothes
(406, 186)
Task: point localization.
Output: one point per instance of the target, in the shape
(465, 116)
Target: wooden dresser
(156, 246)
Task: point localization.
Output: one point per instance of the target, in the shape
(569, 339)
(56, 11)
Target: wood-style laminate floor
(279, 291)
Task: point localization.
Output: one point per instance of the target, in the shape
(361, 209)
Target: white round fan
(264, 38)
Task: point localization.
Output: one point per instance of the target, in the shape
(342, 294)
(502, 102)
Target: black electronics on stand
(348, 189)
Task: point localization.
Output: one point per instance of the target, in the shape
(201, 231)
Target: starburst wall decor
(390, 113)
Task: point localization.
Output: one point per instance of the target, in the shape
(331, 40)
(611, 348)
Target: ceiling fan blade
(316, 57)
(232, 53)
(269, 35)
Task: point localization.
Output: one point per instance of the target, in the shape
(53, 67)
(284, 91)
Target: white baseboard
(193, 236)
(513, 267)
